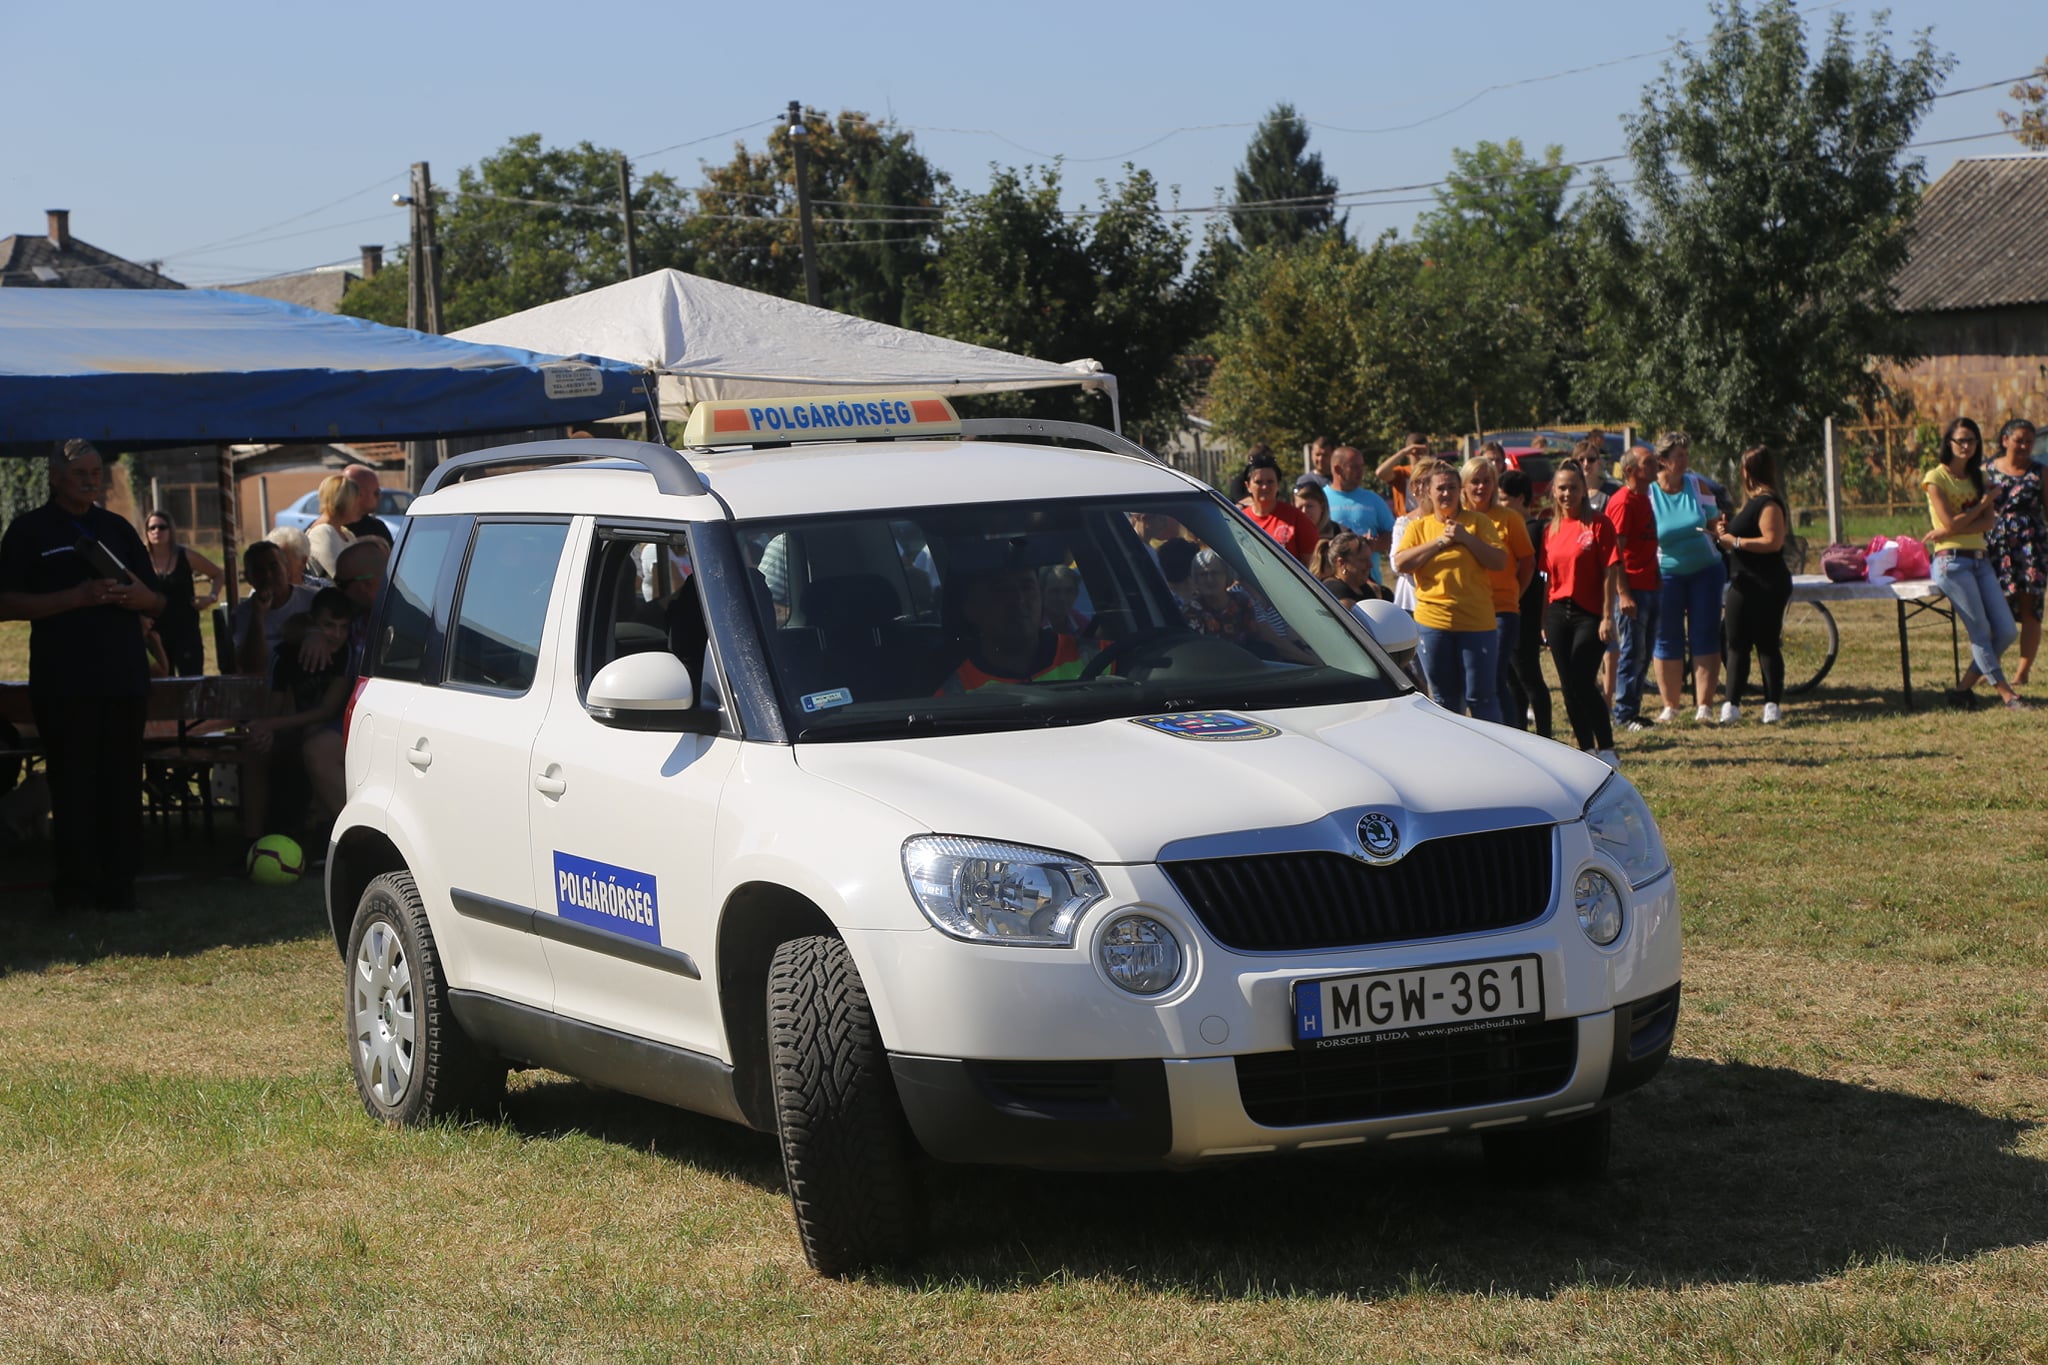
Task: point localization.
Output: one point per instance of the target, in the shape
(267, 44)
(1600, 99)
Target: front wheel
(847, 1152)
(412, 1061)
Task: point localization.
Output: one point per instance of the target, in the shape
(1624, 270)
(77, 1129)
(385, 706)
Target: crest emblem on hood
(1379, 836)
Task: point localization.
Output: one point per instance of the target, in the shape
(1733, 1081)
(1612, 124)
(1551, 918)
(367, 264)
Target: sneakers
(1669, 714)
(1730, 713)
(1636, 727)
(1610, 758)
(1770, 713)
(1704, 716)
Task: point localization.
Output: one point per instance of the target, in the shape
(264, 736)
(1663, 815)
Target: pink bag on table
(1914, 561)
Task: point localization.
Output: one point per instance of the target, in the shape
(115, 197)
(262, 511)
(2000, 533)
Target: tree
(875, 205)
(1283, 196)
(2030, 125)
(1747, 297)
(1329, 337)
(529, 225)
(1016, 272)
(1498, 251)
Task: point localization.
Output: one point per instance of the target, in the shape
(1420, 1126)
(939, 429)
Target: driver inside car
(1008, 642)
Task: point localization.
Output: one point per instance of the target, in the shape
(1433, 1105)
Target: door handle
(550, 782)
(418, 754)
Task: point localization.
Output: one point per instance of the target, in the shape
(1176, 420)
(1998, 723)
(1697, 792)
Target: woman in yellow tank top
(1960, 513)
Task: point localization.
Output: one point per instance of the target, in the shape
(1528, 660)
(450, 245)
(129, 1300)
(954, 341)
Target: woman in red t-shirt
(1578, 557)
(1278, 518)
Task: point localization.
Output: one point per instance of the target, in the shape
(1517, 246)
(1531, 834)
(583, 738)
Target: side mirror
(1393, 628)
(648, 691)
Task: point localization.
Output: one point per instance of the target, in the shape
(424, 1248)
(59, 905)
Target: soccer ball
(276, 860)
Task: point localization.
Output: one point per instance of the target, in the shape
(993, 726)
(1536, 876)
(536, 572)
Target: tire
(413, 1064)
(1811, 641)
(847, 1151)
(1573, 1152)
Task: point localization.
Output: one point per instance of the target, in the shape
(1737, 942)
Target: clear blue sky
(171, 131)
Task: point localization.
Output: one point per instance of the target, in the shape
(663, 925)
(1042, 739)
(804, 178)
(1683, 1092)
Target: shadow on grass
(553, 1107)
(191, 901)
(1722, 1172)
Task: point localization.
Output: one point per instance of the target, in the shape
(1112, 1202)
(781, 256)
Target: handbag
(1844, 563)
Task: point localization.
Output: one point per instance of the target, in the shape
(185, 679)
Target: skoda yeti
(914, 789)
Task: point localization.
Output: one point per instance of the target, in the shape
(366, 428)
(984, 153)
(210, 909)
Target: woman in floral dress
(2017, 540)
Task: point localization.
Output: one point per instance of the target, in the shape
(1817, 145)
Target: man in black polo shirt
(368, 493)
(87, 673)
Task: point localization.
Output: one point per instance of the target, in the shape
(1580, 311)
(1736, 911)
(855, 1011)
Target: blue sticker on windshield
(824, 701)
(616, 899)
(1207, 725)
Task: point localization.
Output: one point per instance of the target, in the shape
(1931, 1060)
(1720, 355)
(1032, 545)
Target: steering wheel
(1130, 645)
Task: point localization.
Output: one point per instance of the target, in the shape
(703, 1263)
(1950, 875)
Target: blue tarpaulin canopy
(162, 366)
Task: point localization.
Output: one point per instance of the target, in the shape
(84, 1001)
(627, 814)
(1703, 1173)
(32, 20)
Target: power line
(375, 184)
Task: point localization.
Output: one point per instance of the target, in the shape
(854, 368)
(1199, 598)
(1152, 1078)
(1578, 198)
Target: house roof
(320, 290)
(35, 262)
(1980, 239)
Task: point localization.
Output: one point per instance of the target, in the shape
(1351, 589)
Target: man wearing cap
(81, 576)
(1357, 508)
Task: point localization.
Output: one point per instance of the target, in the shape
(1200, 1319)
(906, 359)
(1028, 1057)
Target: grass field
(1845, 1159)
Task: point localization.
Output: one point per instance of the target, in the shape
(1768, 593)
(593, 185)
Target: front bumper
(1120, 1114)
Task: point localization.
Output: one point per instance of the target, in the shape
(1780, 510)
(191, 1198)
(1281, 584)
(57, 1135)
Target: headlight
(1599, 906)
(1140, 954)
(999, 893)
(1623, 828)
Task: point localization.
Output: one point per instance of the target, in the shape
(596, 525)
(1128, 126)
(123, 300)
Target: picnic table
(1912, 598)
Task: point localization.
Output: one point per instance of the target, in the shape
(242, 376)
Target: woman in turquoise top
(1690, 599)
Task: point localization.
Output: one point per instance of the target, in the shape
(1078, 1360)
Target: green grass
(1846, 1159)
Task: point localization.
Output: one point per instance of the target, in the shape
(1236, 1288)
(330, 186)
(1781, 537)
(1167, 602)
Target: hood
(1117, 791)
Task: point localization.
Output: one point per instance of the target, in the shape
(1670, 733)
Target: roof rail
(1098, 437)
(672, 473)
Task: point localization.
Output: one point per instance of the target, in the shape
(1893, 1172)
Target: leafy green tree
(1330, 337)
(2030, 125)
(875, 208)
(1498, 265)
(529, 225)
(1747, 296)
(1279, 167)
(1016, 272)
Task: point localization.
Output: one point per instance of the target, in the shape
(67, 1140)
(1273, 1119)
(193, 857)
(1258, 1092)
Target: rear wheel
(1811, 641)
(1574, 1151)
(412, 1061)
(847, 1152)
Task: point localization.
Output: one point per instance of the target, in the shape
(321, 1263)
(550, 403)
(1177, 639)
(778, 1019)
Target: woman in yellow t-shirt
(1482, 483)
(1452, 553)
(1960, 512)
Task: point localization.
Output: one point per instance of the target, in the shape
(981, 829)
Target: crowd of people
(110, 610)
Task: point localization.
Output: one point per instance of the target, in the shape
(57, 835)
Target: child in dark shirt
(309, 700)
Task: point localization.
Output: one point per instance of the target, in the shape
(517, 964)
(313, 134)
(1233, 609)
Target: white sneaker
(1610, 758)
(1730, 713)
(1667, 715)
(1704, 716)
(1770, 713)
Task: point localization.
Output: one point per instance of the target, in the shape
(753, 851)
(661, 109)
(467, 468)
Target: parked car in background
(391, 505)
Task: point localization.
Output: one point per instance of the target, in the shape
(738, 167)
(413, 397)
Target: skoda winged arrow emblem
(1379, 837)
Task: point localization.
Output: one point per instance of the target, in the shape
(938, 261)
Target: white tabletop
(1815, 587)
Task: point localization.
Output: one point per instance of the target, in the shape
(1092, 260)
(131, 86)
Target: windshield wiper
(912, 723)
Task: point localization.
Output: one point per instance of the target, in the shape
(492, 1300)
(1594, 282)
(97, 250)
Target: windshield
(1010, 615)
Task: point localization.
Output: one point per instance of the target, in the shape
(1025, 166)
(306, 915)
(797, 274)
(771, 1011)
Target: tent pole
(230, 518)
(1116, 412)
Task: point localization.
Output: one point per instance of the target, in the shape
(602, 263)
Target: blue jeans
(1460, 667)
(1972, 589)
(1691, 613)
(1634, 666)
(1507, 631)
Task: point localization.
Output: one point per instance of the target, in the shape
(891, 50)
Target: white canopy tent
(712, 340)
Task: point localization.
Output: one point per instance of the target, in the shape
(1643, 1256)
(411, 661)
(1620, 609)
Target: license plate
(1345, 1011)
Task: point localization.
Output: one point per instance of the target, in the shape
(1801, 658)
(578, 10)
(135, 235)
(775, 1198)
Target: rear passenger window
(504, 605)
(409, 612)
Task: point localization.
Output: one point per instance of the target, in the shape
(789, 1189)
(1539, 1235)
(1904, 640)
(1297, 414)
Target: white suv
(901, 788)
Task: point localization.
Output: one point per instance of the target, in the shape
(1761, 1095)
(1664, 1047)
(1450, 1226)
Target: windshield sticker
(1207, 725)
(825, 701)
(616, 899)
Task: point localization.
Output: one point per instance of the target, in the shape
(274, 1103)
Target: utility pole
(422, 300)
(800, 139)
(626, 212)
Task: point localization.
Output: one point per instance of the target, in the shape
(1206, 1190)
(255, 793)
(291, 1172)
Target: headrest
(852, 600)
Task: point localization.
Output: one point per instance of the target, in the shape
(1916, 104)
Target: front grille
(1278, 902)
(1408, 1075)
